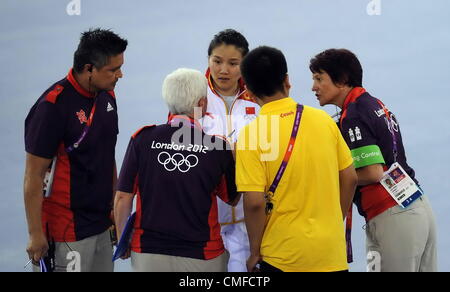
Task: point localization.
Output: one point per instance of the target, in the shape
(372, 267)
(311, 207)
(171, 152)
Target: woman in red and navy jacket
(398, 239)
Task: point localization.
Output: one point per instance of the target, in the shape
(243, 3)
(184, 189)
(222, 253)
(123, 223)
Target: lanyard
(42, 266)
(391, 129)
(348, 235)
(352, 97)
(85, 130)
(289, 150)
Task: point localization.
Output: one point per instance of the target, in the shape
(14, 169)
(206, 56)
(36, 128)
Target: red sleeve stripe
(140, 130)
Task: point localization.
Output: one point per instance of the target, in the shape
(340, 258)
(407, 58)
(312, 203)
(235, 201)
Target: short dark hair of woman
(341, 64)
(229, 37)
(264, 70)
(96, 47)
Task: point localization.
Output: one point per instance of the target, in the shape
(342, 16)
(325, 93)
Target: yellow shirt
(306, 229)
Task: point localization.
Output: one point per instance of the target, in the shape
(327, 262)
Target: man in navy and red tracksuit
(70, 139)
(175, 170)
(398, 239)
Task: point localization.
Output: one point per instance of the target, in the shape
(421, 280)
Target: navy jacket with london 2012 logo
(177, 184)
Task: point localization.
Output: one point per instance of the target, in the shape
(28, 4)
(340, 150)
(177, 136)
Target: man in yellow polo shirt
(304, 232)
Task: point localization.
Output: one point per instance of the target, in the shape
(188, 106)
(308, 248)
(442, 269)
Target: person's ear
(203, 102)
(250, 93)
(287, 83)
(340, 85)
(254, 97)
(88, 68)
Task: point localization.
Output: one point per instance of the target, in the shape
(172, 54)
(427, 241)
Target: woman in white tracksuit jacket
(229, 110)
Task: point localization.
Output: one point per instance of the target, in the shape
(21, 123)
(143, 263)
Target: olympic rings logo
(177, 161)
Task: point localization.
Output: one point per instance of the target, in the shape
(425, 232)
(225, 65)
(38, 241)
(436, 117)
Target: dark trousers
(266, 268)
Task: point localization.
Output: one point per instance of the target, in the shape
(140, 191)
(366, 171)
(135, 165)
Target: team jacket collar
(77, 86)
(177, 119)
(353, 96)
(242, 90)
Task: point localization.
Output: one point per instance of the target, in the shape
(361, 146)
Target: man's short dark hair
(229, 37)
(342, 65)
(96, 47)
(264, 70)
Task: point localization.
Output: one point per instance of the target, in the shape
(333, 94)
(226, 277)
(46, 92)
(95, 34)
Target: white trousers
(235, 239)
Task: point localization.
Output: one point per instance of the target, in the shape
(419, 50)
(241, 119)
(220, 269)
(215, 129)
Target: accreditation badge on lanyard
(396, 180)
(400, 186)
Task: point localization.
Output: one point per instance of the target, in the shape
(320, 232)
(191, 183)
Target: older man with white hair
(175, 176)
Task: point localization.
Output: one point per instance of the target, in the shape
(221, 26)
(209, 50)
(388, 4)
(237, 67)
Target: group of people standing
(241, 178)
